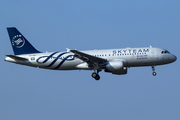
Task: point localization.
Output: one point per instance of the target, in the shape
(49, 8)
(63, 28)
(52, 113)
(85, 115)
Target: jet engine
(116, 67)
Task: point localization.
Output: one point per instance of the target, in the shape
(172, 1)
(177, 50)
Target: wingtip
(68, 50)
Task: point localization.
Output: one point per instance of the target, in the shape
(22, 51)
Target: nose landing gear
(154, 73)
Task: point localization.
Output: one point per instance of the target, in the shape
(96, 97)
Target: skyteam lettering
(61, 57)
(130, 51)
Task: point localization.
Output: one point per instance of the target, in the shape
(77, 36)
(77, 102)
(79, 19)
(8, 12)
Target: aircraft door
(153, 53)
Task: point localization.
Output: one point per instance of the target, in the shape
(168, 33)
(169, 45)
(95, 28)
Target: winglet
(68, 50)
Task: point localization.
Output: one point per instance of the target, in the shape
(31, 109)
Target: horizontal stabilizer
(16, 57)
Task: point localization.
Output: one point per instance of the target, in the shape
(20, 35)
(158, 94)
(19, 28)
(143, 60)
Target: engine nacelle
(116, 67)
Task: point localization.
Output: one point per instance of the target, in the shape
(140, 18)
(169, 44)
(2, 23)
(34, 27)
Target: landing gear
(154, 73)
(95, 75)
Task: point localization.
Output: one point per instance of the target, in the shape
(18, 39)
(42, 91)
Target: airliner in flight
(115, 61)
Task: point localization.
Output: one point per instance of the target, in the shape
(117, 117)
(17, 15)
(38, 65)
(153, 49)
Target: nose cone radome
(175, 58)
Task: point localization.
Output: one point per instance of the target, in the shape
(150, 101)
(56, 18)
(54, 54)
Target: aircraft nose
(174, 58)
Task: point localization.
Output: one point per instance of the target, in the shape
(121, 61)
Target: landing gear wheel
(153, 69)
(97, 77)
(154, 73)
(94, 75)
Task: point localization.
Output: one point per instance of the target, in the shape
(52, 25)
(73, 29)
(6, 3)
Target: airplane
(115, 61)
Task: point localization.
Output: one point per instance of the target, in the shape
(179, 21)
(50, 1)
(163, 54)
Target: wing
(91, 60)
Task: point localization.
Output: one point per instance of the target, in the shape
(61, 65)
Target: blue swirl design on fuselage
(59, 57)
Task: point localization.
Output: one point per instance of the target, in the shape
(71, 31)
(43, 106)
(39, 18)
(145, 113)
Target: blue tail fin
(19, 43)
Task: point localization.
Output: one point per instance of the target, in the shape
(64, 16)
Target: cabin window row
(120, 54)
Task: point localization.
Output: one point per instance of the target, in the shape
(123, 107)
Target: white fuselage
(132, 57)
(115, 61)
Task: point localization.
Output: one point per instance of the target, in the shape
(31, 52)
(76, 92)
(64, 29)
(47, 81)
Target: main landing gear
(96, 75)
(153, 69)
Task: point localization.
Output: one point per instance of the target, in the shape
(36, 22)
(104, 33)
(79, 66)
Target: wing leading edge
(84, 56)
(91, 60)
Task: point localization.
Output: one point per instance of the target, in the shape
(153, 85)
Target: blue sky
(32, 93)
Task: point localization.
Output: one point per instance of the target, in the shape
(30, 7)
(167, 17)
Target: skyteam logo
(18, 41)
(56, 59)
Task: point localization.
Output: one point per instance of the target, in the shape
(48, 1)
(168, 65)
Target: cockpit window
(167, 52)
(164, 52)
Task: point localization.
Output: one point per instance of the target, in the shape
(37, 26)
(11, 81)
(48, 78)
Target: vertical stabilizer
(19, 43)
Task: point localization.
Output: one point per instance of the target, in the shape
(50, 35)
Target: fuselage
(115, 61)
(132, 57)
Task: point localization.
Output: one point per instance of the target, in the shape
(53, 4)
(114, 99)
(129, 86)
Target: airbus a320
(115, 61)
